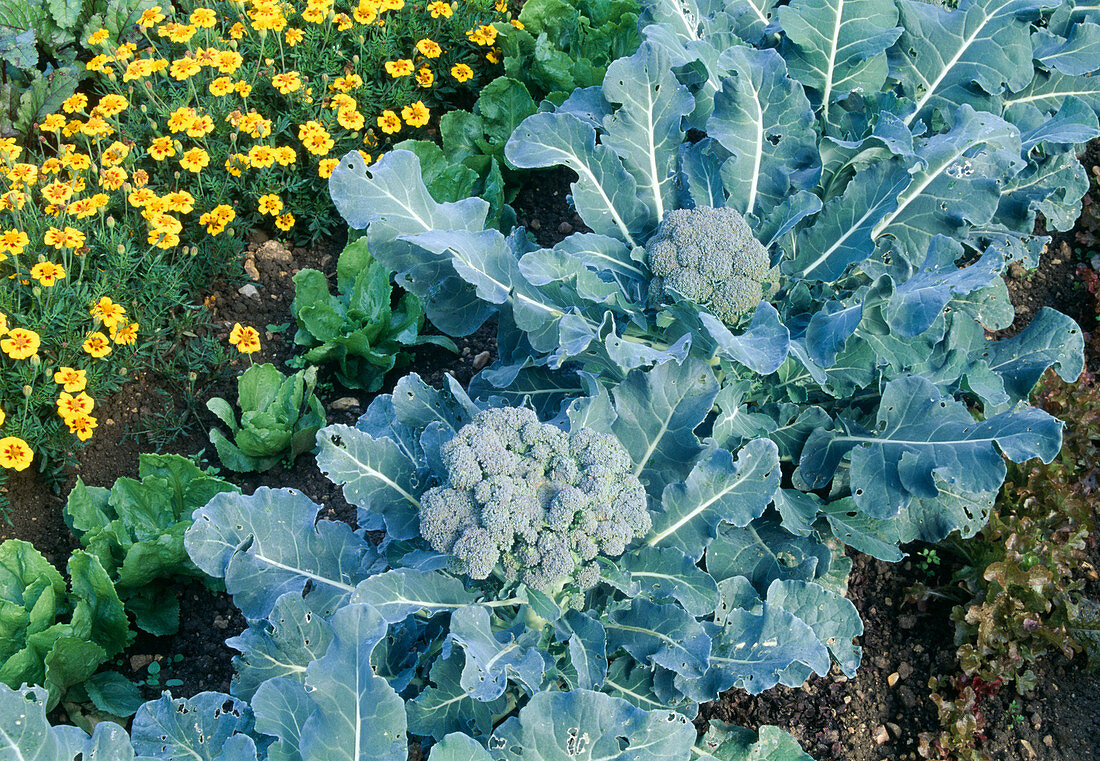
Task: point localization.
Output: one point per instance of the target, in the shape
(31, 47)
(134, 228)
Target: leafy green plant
(280, 417)
(135, 529)
(54, 636)
(357, 330)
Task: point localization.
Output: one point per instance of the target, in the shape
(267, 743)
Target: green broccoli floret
(709, 257)
(537, 501)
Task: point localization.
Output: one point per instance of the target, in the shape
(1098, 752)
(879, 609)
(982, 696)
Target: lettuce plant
(135, 529)
(357, 330)
(280, 416)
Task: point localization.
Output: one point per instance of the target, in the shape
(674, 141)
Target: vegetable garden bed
(886, 709)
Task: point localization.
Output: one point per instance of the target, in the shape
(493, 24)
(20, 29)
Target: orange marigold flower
(150, 17)
(21, 343)
(75, 102)
(97, 345)
(69, 405)
(15, 454)
(246, 339)
(202, 125)
(294, 36)
(52, 123)
(47, 273)
(71, 379)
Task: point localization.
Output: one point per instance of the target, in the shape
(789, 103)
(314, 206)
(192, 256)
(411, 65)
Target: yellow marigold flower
(96, 125)
(71, 379)
(9, 149)
(15, 454)
(347, 83)
(108, 312)
(195, 160)
(462, 72)
(366, 12)
(97, 345)
(349, 118)
(69, 405)
(236, 31)
(21, 343)
(181, 119)
(98, 63)
(75, 102)
(284, 221)
(24, 173)
(112, 104)
(125, 52)
(287, 82)
(261, 156)
(429, 49)
(184, 68)
(389, 122)
(314, 15)
(47, 273)
(402, 67)
(52, 123)
(115, 154)
(181, 202)
(179, 33)
(203, 18)
(246, 339)
(294, 36)
(141, 197)
(202, 125)
(425, 77)
(82, 426)
(270, 204)
(150, 17)
(243, 89)
(138, 69)
(51, 166)
(3, 323)
(415, 114)
(110, 178)
(77, 161)
(493, 56)
(392, 5)
(516, 23)
(440, 8)
(163, 239)
(98, 37)
(207, 56)
(315, 138)
(156, 205)
(236, 163)
(221, 86)
(13, 199)
(325, 167)
(70, 237)
(125, 336)
(483, 35)
(57, 192)
(285, 155)
(166, 223)
(13, 241)
(161, 148)
(228, 61)
(343, 22)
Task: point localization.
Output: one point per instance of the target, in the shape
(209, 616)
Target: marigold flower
(110, 178)
(389, 122)
(163, 239)
(246, 339)
(126, 335)
(181, 119)
(77, 161)
(203, 18)
(284, 221)
(229, 61)
(392, 5)
(21, 343)
(484, 35)
(3, 416)
(349, 118)
(161, 148)
(516, 23)
(108, 312)
(343, 22)
(416, 114)
(52, 123)
(315, 138)
(97, 345)
(71, 379)
(47, 273)
(75, 102)
(243, 89)
(70, 237)
(429, 49)
(366, 12)
(57, 192)
(270, 204)
(347, 83)
(402, 67)
(493, 56)
(236, 163)
(115, 154)
(425, 77)
(138, 69)
(287, 82)
(180, 201)
(13, 241)
(98, 37)
(462, 72)
(184, 68)
(314, 15)
(14, 453)
(221, 86)
(69, 405)
(261, 156)
(294, 36)
(150, 17)
(285, 155)
(236, 31)
(325, 167)
(141, 197)
(112, 104)
(81, 425)
(195, 160)
(202, 125)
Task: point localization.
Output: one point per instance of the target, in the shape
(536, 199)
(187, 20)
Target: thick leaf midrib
(833, 48)
(366, 470)
(698, 510)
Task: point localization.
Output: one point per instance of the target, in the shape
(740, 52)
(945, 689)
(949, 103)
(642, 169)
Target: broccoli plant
(540, 503)
(708, 256)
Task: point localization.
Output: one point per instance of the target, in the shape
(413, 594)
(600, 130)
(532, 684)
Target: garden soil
(875, 716)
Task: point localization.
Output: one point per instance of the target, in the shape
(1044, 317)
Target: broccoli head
(709, 257)
(537, 501)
